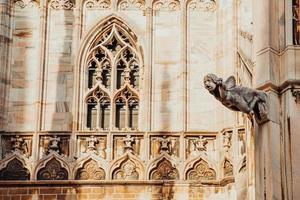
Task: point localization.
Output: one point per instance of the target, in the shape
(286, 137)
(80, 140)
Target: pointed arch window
(113, 67)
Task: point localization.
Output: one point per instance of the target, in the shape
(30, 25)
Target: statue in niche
(91, 144)
(128, 143)
(54, 144)
(200, 144)
(165, 144)
(19, 145)
(227, 141)
(238, 98)
(296, 23)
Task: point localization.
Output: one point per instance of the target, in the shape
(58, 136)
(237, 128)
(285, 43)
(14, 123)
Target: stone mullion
(112, 93)
(184, 63)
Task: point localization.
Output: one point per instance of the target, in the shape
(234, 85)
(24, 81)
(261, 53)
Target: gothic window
(113, 80)
(14, 171)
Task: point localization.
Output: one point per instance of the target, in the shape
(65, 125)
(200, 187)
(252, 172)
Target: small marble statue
(91, 144)
(238, 98)
(128, 143)
(200, 143)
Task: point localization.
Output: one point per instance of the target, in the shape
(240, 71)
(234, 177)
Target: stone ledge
(223, 182)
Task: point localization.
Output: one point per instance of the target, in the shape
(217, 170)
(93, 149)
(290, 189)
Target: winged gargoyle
(238, 98)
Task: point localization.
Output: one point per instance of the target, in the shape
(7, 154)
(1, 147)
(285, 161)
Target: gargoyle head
(211, 82)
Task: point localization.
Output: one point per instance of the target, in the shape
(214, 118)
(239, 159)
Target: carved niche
(132, 5)
(201, 171)
(126, 171)
(52, 171)
(164, 145)
(228, 168)
(90, 171)
(15, 170)
(164, 170)
(56, 143)
(296, 22)
(16, 144)
(127, 143)
(92, 144)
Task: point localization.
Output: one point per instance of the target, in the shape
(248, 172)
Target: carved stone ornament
(97, 4)
(246, 35)
(200, 143)
(296, 95)
(238, 98)
(25, 3)
(227, 141)
(164, 171)
(203, 5)
(128, 143)
(228, 169)
(166, 5)
(19, 145)
(14, 170)
(127, 171)
(201, 171)
(90, 171)
(132, 5)
(62, 4)
(52, 171)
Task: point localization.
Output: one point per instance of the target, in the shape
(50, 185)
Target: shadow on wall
(62, 116)
(165, 97)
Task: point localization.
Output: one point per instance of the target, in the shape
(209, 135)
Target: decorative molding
(62, 4)
(166, 5)
(132, 5)
(98, 4)
(202, 5)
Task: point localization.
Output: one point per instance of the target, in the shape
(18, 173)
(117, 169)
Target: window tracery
(113, 80)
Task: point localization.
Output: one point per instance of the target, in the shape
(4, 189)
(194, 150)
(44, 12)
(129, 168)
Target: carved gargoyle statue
(238, 98)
